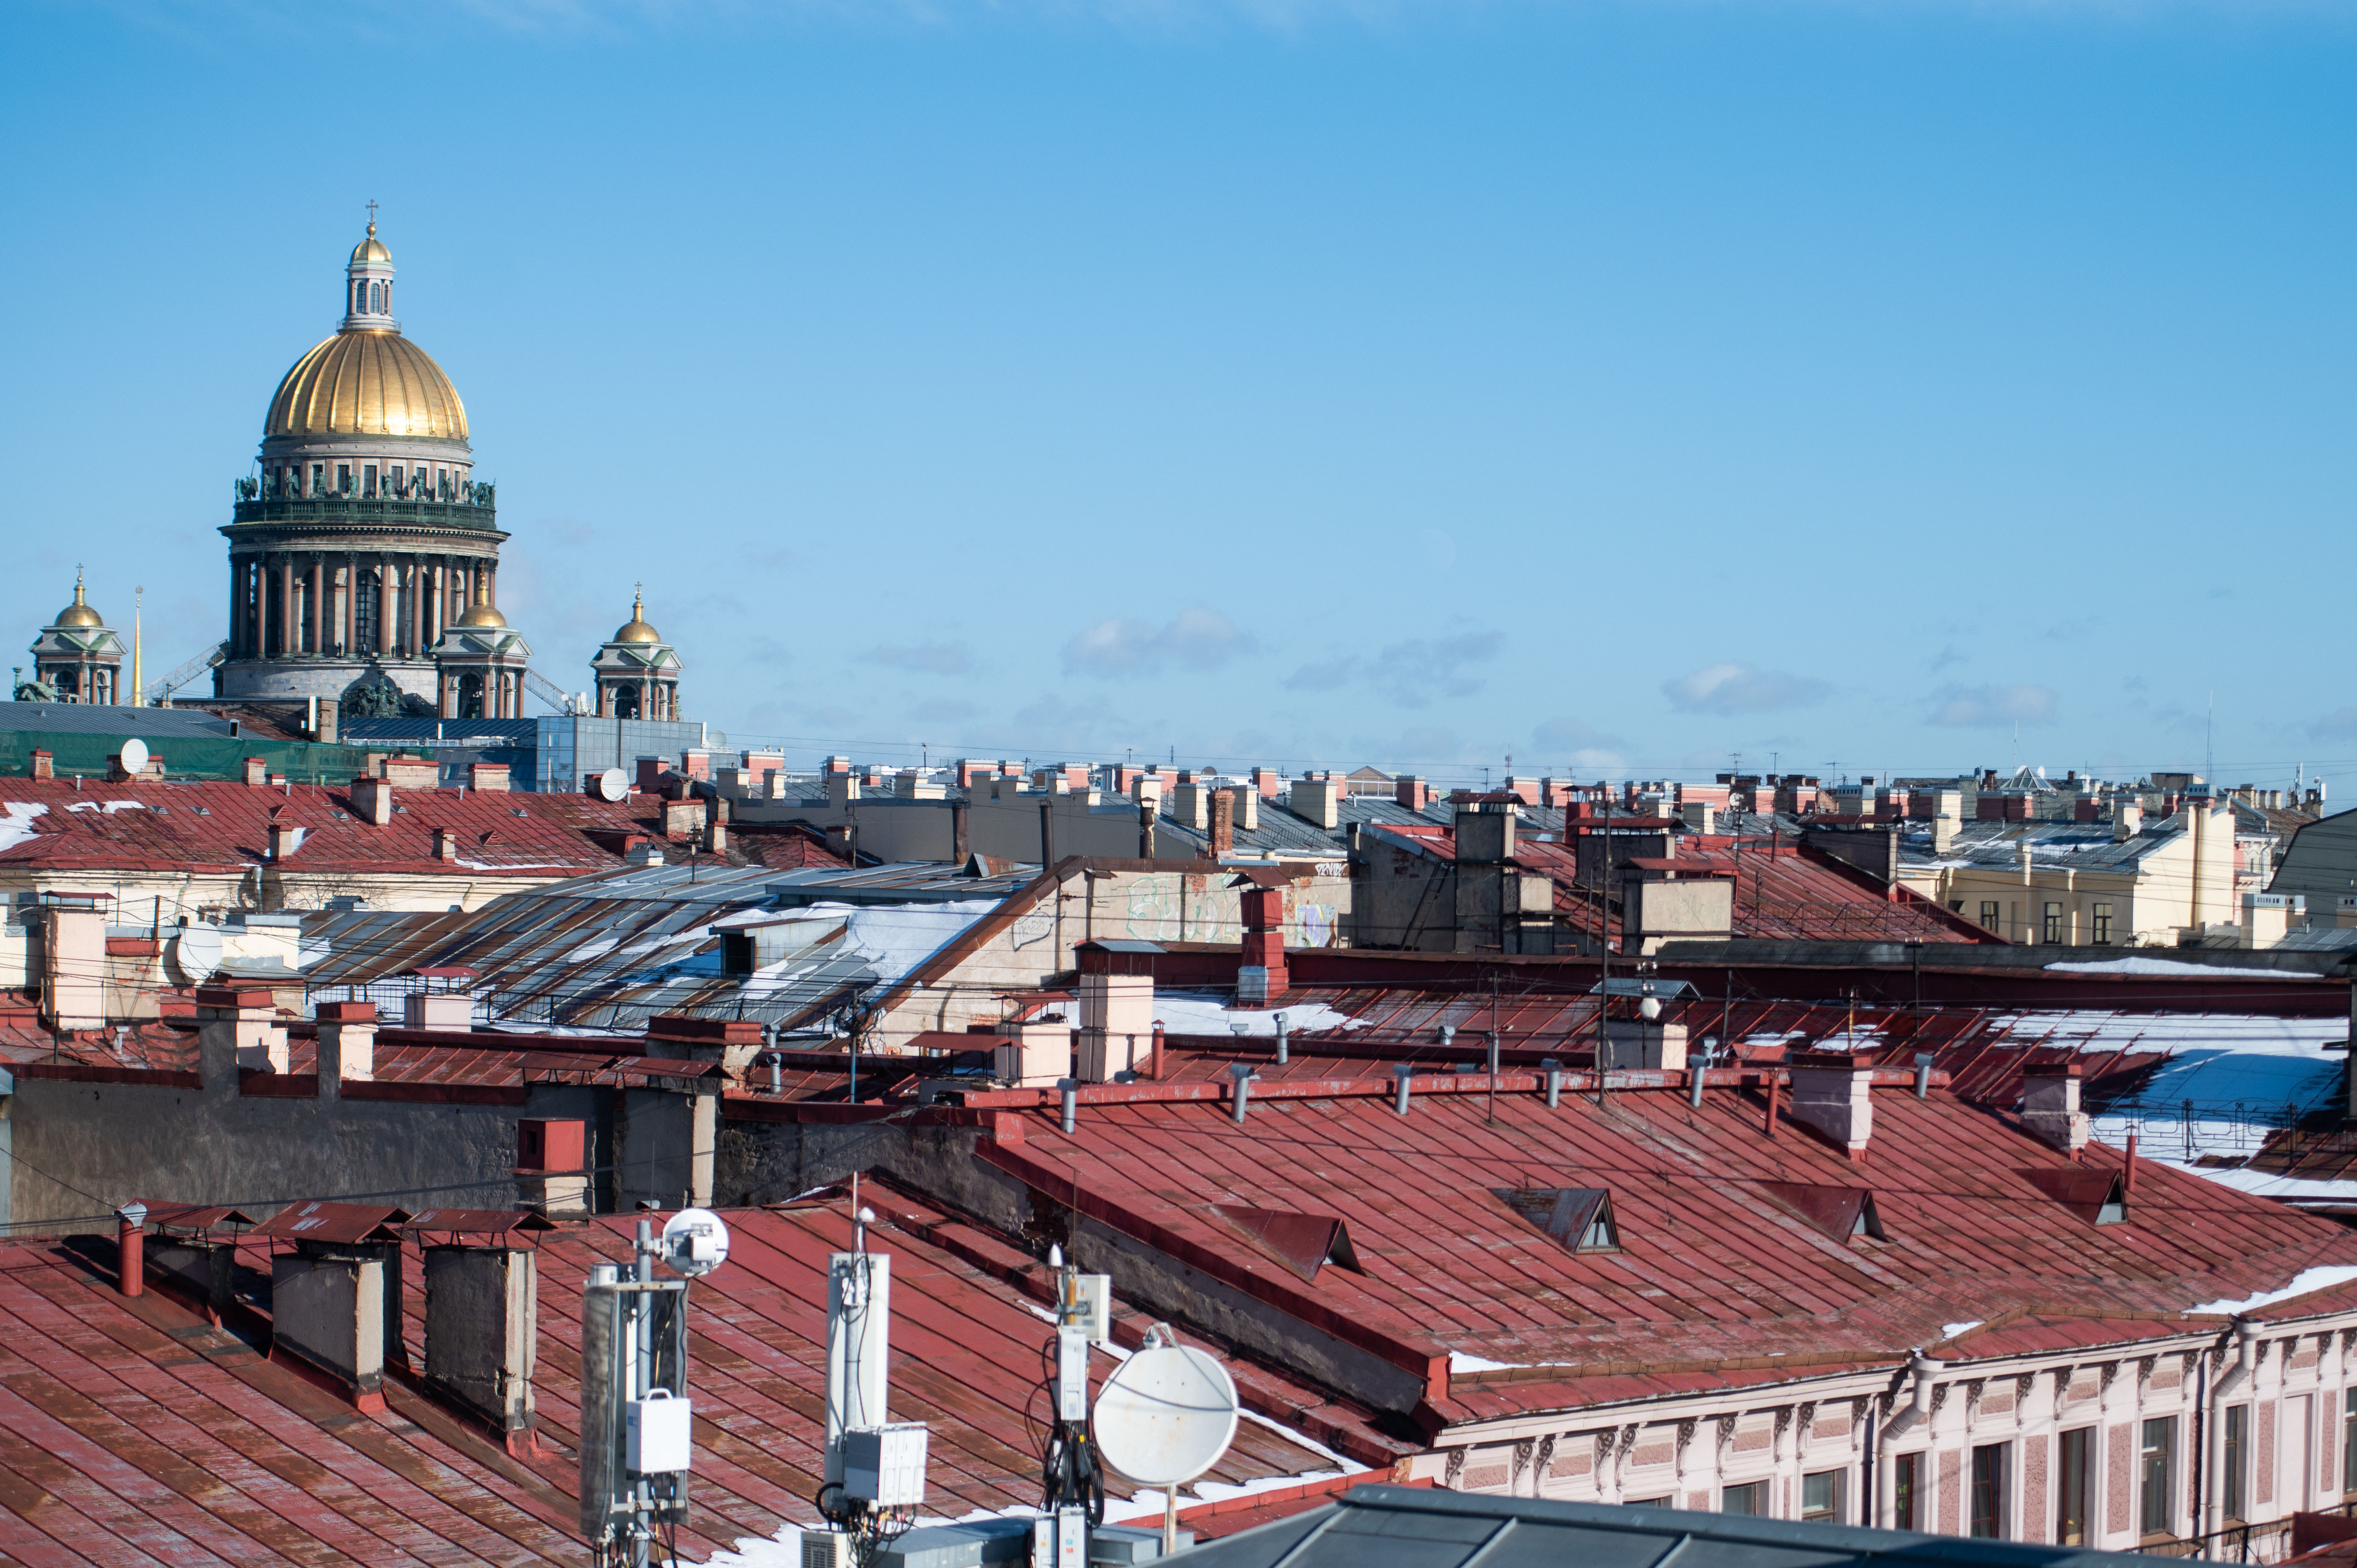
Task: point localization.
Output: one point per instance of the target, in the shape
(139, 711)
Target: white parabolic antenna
(1166, 1415)
(612, 786)
(135, 756)
(694, 1241)
(196, 951)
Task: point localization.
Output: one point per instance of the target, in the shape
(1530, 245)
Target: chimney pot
(256, 773)
(1833, 1092)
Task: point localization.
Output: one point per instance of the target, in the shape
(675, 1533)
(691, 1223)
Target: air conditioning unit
(826, 1548)
(885, 1466)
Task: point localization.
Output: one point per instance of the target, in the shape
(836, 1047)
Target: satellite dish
(197, 952)
(1166, 1415)
(694, 1242)
(135, 757)
(612, 786)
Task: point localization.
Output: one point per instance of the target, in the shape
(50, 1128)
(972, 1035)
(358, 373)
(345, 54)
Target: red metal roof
(1714, 1270)
(342, 1223)
(134, 1431)
(193, 826)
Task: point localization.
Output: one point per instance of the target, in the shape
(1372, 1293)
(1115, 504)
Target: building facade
(77, 657)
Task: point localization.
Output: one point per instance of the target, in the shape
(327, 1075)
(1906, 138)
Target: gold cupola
(367, 379)
(79, 613)
(636, 628)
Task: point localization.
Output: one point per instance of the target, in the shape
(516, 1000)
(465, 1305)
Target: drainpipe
(2247, 1337)
(1926, 1371)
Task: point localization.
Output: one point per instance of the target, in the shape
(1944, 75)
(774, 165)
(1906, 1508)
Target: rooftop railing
(467, 505)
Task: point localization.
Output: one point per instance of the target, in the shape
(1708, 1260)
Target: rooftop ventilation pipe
(1155, 1069)
(1284, 1053)
(1493, 1053)
(1448, 1035)
(1553, 1070)
(1695, 1082)
(131, 1249)
(777, 1073)
(1922, 1075)
(2246, 1338)
(1241, 1100)
(1927, 1375)
(1403, 1075)
(1070, 1090)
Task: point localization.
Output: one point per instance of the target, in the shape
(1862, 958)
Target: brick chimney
(482, 1308)
(2049, 1106)
(372, 801)
(1248, 808)
(1833, 1092)
(412, 772)
(1317, 798)
(1411, 792)
(1189, 804)
(45, 764)
(1261, 974)
(1221, 808)
(257, 773)
(285, 838)
(446, 844)
(487, 776)
(1267, 783)
(347, 1045)
(237, 1026)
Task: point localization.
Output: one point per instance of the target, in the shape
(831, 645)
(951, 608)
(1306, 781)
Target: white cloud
(1421, 668)
(1992, 707)
(1729, 689)
(1197, 638)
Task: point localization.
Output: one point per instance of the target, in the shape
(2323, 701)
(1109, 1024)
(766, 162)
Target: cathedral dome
(365, 381)
(79, 613)
(371, 249)
(636, 628)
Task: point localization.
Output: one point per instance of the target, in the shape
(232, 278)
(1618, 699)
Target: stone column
(417, 607)
(286, 633)
(236, 608)
(318, 607)
(386, 601)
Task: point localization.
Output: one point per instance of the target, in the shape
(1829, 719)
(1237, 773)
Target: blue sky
(1616, 387)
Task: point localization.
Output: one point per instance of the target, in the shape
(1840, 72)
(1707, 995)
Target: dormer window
(1846, 1212)
(1579, 1217)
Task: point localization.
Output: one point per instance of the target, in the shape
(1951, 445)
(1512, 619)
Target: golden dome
(371, 250)
(79, 613)
(637, 629)
(480, 614)
(363, 382)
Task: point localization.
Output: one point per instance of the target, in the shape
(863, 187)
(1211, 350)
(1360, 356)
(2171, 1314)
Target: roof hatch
(1302, 1242)
(2098, 1196)
(1579, 1217)
(1844, 1211)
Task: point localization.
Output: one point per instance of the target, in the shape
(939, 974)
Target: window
(417, 481)
(1989, 916)
(442, 482)
(1988, 1491)
(368, 479)
(2070, 1488)
(2153, 1467)
(2103, 925)
(1821, 1497)
(1751, 1497)
(1906, 1492)
(1647, 1502)
(319, 479)
(343, 478)
(2054, 924)
(2349, 1450)
(2233, 1468)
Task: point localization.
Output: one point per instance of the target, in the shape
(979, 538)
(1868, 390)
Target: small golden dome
(79, 613)
(367, 382)
(637, 629)
(371, 249)
(479, 614)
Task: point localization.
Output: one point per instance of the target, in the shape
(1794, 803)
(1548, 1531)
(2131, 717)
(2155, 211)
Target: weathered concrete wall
(116, 1142)
(1403, 899)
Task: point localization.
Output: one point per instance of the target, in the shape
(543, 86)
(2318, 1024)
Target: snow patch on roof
(2169, 966)
(2320, 1278)
(1184, 1014)
(16, 825)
